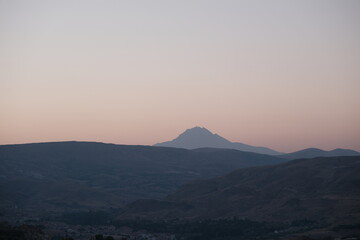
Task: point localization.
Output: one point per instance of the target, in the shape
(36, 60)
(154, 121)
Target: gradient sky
(282, 74)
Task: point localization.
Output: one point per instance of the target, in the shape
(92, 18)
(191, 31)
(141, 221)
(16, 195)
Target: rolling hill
(87, 175)
(325, 190)
(315, 152)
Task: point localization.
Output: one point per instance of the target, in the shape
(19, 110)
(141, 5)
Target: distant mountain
(315, 152)
(198, 137)
(63, 176)
(325, 190)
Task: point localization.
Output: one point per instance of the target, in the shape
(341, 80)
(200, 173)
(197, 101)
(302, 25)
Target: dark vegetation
(22, 232)
(223, 228)
(92, 218)
(204, 229)
(232, 228)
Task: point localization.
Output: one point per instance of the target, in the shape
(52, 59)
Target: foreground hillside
(325, 190)
(86, 175)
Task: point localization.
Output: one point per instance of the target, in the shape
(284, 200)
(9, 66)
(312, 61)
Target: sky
(281, 74)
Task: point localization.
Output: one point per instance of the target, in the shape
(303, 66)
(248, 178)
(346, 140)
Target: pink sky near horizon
(281, 74)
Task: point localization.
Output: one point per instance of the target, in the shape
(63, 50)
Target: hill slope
(198, 137)
(320, 189)
(78, 175)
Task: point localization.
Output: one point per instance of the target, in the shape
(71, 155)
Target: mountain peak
(200, 137)
(197, 128)
(196, 131)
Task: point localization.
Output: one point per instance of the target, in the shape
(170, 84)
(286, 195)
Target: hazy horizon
(279, 74)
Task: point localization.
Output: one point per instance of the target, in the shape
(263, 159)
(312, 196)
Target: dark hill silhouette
(326, 190)
(198, 137)
(87, 175)
(315, 152)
